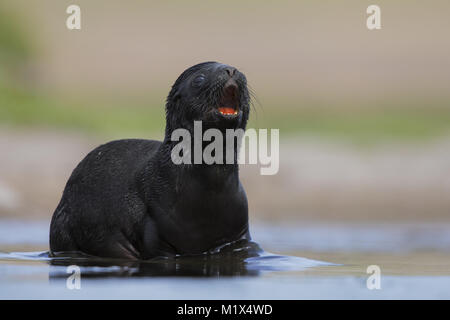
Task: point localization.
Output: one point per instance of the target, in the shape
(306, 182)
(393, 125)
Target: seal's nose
(230, 71)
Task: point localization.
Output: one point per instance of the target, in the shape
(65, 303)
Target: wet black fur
(127, 199)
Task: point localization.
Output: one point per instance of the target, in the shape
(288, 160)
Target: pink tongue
(226, 110)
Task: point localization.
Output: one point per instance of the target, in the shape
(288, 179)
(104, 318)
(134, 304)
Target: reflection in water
(228, 261)
(241, 258)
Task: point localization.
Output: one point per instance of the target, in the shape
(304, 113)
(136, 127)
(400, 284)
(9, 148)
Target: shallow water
(309, 261)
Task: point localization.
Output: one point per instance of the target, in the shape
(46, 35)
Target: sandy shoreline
(316, 181)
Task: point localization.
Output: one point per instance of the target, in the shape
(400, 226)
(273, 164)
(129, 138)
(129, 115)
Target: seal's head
(211, 92)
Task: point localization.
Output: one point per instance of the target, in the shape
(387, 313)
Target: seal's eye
(198, 81)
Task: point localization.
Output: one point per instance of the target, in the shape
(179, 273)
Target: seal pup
(128, 199)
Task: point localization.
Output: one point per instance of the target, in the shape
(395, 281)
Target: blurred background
(364, 116)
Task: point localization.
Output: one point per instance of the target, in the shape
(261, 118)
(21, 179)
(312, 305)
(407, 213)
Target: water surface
(298, 262)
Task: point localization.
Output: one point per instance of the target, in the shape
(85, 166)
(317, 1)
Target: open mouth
(229, 104)
(227, 111)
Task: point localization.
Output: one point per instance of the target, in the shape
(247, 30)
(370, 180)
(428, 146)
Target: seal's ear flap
(173, 99)
(176, 96)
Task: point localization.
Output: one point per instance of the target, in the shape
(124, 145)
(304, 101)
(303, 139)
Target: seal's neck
(215, 175)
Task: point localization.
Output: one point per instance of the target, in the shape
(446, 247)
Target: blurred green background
(327, 76)
(317, 72)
